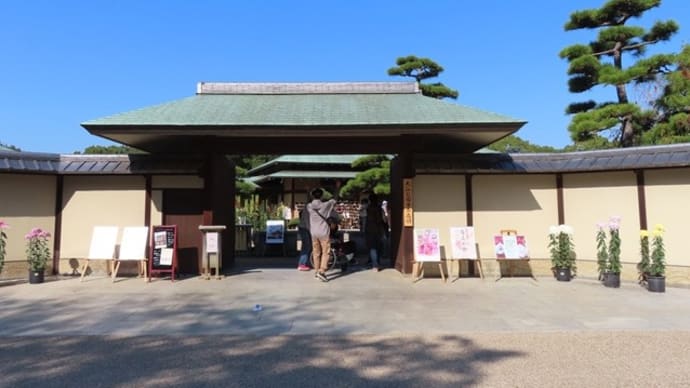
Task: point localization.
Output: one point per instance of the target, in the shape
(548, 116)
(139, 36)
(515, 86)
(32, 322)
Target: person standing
(319, 211)
(374, 231)
(305, 237)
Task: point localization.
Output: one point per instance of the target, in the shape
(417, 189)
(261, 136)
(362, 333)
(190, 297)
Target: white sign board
(275, 230)
(133, 244)
(166, 256)
(103, 243)
(463, 244)
(426, 245)
(211, 242)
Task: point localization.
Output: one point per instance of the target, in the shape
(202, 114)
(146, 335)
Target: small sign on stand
(212, 250)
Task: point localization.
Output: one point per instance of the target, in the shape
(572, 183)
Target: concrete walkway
(280, 327)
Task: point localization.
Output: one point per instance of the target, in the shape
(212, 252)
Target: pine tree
(600, 63)
(421, 69)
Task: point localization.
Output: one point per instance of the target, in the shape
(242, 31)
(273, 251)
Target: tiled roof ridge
(647, 149)
(307, 88)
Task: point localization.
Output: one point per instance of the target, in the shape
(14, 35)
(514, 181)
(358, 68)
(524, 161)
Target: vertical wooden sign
(408, 214)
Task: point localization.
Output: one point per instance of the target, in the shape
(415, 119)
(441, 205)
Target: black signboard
(163, 250)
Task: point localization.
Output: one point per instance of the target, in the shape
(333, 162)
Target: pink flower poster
(426, 245)
(499, 248)
(510, 247)
(463, 244)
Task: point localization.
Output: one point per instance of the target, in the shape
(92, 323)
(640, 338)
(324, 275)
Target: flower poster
(499, 249)
(510, 247)
(523, 252)
(426, 245)
(463, 244)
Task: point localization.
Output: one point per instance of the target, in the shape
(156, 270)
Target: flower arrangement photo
(562, 249)
(37, 253)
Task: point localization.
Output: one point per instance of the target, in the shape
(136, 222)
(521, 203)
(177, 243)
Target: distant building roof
(290, 161)
(304, 174)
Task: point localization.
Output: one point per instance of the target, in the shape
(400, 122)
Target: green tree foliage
(673, 124)
(421, 69)
(244, 163)
(9, 147)
(600, 63)
(515, 144)
(111, 149)
(375, 178)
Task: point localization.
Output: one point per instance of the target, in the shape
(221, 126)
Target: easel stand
(451, 263)
(418, 271)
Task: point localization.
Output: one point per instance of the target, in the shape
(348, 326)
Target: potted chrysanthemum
(3, 243)
(643, 265)
(609, 258)
(37, 253)
(562, 252)
(656, 280)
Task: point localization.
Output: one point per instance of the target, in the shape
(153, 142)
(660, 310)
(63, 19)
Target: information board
(163, 250)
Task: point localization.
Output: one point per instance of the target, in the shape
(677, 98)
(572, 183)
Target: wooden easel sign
(132, 247)
(426, 245)
(102, 246)
(463, 247)
(427, 248)
(463, 243)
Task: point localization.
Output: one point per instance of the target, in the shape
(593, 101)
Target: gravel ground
(539, 359)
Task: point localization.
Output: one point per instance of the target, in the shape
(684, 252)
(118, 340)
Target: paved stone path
(360, 329)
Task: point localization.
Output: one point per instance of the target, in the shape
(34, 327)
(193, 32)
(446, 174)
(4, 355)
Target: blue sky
(66, 62)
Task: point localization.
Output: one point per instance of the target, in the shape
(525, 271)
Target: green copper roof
(306, 118)
(302, 110)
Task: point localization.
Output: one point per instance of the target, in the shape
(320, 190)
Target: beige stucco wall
(156, 207)
(26, 202)
(439, 202)
(526, 203)
(177, 182)
(668, 192)
(90, 201)
(594, 197)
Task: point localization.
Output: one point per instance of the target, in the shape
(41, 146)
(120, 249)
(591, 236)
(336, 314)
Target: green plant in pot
(37, 253)
(644, 264)
(656, 280)
(602, 251)
(3, 243)
(562, 250)
(613, 267)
